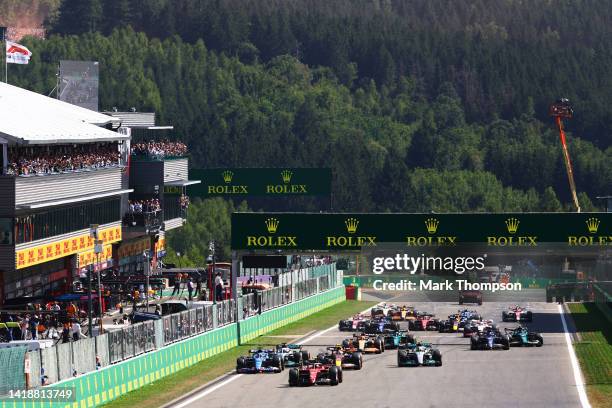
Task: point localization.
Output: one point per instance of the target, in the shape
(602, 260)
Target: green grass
(594, 351)
(178, 384)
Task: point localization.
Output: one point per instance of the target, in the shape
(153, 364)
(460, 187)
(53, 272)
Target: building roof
(134, 119)
(32, 118)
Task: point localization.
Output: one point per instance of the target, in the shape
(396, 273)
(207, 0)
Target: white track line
(231, 378)
(207, 391)
(584, 401)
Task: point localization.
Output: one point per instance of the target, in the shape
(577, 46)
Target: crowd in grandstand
(61, 159)
(184, 202)
(159, 149)
(144, 206)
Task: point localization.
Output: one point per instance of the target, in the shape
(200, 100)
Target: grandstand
(65, 168)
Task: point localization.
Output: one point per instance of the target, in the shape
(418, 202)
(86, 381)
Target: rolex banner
(341, 232)
(244, 182)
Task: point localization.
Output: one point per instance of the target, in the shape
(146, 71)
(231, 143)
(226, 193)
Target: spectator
(159, 149)
(76, 331)
(218, 287)
(198, 288)
(177, 286)
(190, 288)
(60, 159)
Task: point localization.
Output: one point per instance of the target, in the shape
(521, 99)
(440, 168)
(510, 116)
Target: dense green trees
(390, 147)
(496, 53)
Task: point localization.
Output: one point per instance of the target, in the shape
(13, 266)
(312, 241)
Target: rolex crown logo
(227, 176)
(351, 225)
(286, 175)
(592, 225)
(432, 225)
(512, 224)
(272, 225)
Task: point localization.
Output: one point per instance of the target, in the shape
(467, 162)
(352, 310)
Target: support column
(235, 273)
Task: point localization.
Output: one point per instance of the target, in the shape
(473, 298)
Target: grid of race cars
(381, 331)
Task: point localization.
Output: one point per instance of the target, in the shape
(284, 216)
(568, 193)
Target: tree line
(390, 147)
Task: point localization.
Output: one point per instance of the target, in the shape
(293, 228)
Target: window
(6, 231)
(44, 224)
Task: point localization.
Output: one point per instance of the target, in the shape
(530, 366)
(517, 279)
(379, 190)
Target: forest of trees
(440, 105)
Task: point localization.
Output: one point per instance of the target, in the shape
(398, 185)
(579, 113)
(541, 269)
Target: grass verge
(594, 352)
(177, 384)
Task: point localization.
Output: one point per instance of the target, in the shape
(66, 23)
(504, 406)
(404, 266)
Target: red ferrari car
(315, 373)
(424, 321)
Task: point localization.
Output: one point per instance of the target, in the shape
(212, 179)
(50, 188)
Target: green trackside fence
(603, 299)
(110, 382)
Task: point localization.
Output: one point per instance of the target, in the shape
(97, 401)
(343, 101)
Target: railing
(151, 220)
(173, 209)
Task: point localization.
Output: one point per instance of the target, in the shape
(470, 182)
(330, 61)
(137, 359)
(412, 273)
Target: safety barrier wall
(273, 319)
(603, 299)
(108, 383)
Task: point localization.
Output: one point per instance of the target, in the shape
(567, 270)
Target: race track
(520, 377)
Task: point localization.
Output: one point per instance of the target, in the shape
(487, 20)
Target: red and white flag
(17, 53)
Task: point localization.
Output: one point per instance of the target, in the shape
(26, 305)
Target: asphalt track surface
(519, 377)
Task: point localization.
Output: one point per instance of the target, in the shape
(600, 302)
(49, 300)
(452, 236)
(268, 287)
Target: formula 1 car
(477, 326)
(517, 314)
(395, 339)
(424, 321)
(366, 343)
(355, 323)
(292, 354)
(401, 313)
(342, 357)
(452, 324)
(469, 314)
(315, 373)
(490, 339)
(470, 296)
(380, 326)
(381, 310)
(419, 354)
(260, 361)
(521, 336)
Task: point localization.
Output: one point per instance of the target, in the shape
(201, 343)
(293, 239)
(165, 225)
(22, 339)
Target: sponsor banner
(260, 182)
(61, 248)
(90, 257)
(318, 231)
(134, 247)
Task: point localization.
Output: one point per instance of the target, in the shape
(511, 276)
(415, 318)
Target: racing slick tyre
(294, 377)
(379, 346)
(505, 344)
(460, 301)
(437, 356)
(357, 360)
(305, 355)
(480, 302)
(340, 374)
(334, 375)
(540, 341)
(473, 345)
(504, 317)
(277, 362)
(346, 343)
(240, 363)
